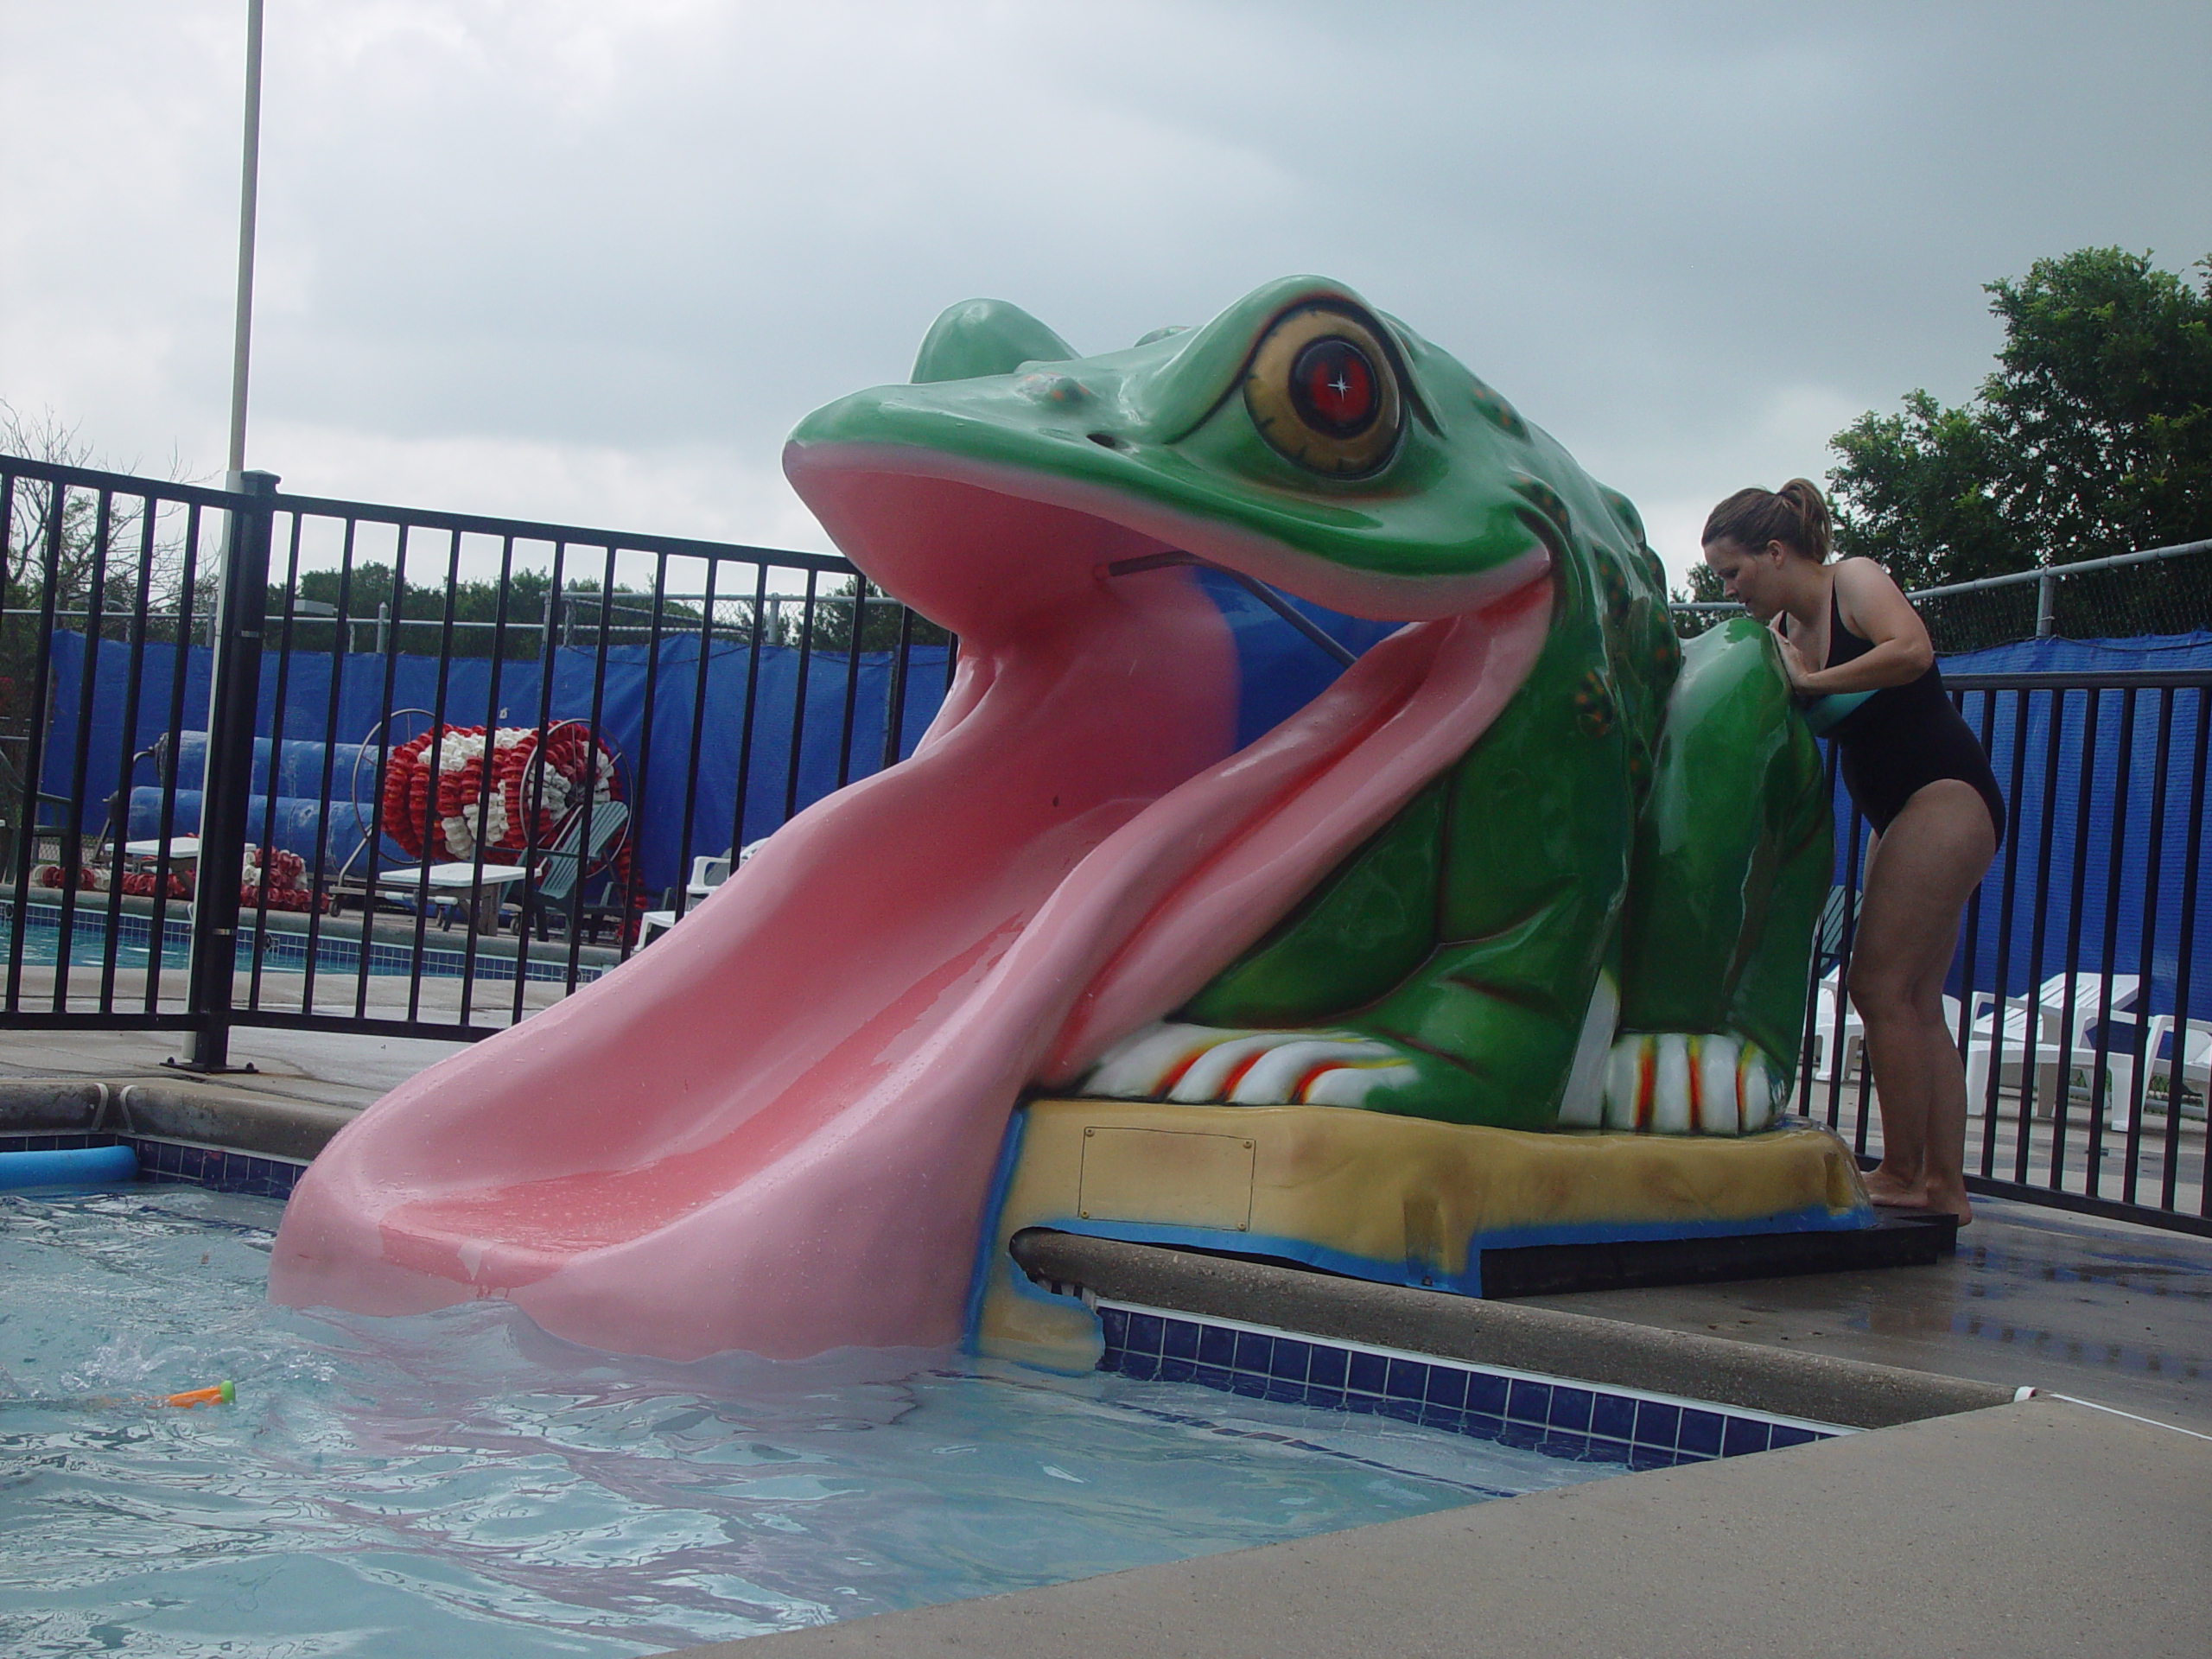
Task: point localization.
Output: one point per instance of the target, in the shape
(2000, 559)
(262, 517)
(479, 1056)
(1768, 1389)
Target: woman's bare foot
(1926, 1198)
(1884, 1184)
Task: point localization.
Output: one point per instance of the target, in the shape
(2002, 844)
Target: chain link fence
(2157, 591)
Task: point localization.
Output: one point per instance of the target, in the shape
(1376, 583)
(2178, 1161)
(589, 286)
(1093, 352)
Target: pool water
(462, 1483)
(283, 952)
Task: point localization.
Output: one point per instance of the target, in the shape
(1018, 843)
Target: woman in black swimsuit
(1919, 775)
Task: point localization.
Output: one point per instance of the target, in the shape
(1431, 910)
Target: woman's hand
(1794, 665)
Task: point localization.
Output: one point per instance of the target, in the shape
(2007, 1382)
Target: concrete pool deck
(2044, 1527)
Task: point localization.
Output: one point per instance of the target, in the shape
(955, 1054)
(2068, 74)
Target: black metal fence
(2080, 994)
(219, 808)
(437, 735)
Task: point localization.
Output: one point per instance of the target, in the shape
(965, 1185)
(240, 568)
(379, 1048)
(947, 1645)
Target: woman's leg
(1919, 879)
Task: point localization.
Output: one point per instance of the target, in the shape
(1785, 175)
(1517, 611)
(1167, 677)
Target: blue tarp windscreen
(1280, 672)
(2101, 839)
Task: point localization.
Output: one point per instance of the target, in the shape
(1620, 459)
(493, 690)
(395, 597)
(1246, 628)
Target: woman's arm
(1874, 608)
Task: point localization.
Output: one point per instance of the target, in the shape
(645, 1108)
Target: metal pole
(233, 696)
(248, 188)
(2046, 607)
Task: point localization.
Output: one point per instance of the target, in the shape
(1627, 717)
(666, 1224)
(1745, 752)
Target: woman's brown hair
(1796, 515)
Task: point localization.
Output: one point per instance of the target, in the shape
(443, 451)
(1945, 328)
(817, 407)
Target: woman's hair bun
(1797, 515)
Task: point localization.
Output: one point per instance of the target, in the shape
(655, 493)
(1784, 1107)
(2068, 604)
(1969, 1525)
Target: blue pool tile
(1529, 1402)
(1114, 1325)
(1701, 1433)
(1177, 1370)
(1571, 1409)
(1326, 1368)
(1247, 1382)
(1486, 1393)
(1605, 1450)
(1485, 1425)
(1613, 1416)
(1657, 1425)
(1179, 1340)
(1144, 1333)
(1405, 1411)
(1368, 1373)
(1443, 1417)
(1217, 1346)
(1143, 1368)
(1286, 1393)
(1783, 1435)
(1525, 1436)
(1324, 1399)
(1568, 1448)
(1212, 1376)
(1641, 1458)
(1447, 1388)
(1742, 1435)
(1255, 1353)
(1290, 1360)
(1408, 1380)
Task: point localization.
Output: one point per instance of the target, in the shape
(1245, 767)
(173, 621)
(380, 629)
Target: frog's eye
(1322, 389)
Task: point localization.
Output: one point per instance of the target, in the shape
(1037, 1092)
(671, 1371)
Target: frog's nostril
(1108, 440)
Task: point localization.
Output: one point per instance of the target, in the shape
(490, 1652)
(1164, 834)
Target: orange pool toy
(222, 1393)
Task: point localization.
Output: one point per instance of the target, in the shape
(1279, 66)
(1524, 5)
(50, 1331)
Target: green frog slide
(1525, 869)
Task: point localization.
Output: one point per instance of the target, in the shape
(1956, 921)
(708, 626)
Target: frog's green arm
(1498, 884)
(1367, 927)
(1538, 852)
(1724, 896)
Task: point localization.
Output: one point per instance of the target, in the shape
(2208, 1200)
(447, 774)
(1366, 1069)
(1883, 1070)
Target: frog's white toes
(1199, 1063)
(1143, 1064)
(1677, 1083)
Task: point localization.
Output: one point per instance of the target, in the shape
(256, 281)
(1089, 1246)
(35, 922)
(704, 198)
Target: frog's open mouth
(1056, 584)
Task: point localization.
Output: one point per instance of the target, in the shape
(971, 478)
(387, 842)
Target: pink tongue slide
(775, 1130)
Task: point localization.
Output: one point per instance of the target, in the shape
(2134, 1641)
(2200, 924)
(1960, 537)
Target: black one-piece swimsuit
(1903, 738)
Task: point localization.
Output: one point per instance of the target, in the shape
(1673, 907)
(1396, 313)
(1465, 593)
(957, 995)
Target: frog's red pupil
(1333, 384)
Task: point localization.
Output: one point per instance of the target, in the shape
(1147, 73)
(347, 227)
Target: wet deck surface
(2115, 1313)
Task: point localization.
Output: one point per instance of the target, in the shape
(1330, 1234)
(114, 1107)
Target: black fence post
(233, 704)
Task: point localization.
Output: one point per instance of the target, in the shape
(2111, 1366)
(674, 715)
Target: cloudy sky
(589, 261)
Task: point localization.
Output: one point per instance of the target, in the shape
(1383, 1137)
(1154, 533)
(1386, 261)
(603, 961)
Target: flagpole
(249, 186)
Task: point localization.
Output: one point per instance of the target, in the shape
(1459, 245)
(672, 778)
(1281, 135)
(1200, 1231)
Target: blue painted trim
(1290, 1249)
(987, 1256)
(1813, 1218)
(1468, 1282)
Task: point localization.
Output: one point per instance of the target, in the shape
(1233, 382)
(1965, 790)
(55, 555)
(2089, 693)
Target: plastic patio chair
(561, 867)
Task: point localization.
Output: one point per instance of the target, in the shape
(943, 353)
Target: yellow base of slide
(1400, 1199)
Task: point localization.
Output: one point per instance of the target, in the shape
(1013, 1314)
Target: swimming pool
(462, 1483)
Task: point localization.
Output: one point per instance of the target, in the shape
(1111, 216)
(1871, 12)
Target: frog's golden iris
(1322, 389)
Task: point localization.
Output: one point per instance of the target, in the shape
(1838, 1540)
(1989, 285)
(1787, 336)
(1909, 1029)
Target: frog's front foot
(1677, 1083)
(1198, 1065)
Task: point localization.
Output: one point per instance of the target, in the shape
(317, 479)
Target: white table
(460, 875)
(183, 849)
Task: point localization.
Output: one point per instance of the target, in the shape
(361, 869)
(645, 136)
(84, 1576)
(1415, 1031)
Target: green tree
(2093, 436)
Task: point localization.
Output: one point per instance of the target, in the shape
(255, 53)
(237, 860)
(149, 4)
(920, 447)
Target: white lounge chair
(2189, 1065)
(2016, 1034)
(708, 873)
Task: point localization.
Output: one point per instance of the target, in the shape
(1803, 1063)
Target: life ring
(452, 815)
